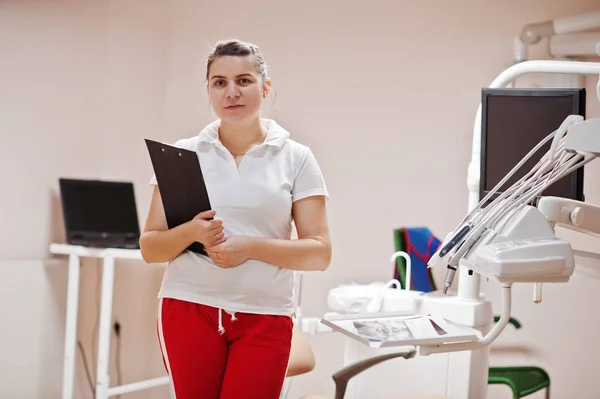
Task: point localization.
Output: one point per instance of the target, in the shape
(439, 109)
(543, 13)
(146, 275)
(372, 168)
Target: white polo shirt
(252, 200)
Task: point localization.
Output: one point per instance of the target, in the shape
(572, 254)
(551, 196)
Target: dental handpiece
(460, 252)
(450, 272)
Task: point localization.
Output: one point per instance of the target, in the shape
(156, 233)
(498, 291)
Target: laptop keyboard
(106, 244)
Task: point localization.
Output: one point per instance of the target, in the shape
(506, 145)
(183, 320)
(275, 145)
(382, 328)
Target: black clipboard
(181, 185)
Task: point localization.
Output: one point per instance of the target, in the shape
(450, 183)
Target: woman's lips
(234, 107)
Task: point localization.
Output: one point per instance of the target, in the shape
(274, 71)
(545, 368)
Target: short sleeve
(308, 179)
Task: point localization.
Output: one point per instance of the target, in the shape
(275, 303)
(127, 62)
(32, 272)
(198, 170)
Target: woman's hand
(230, 253)
(206, 230)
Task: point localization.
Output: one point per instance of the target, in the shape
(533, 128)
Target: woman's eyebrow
(238, 76)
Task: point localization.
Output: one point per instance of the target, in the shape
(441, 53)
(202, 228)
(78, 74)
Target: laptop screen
(99, 208)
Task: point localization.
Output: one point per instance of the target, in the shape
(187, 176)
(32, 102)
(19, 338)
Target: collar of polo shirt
(276, 135)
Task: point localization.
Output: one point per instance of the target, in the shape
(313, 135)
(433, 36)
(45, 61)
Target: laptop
(100, 214)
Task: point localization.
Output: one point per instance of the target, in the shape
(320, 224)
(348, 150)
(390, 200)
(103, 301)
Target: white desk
(102, 389)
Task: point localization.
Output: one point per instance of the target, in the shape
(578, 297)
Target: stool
(523, 380)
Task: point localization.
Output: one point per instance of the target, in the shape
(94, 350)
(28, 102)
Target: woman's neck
(238, 139)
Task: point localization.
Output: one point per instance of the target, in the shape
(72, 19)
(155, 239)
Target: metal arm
(343, 376)
(533, 33)
(571, 214)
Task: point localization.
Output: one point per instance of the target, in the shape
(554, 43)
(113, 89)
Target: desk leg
(71, 327)
(104, 331)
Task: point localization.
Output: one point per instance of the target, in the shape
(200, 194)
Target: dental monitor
(513, 121)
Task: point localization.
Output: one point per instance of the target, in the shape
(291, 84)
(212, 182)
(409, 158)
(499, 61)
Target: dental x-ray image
(387, 330)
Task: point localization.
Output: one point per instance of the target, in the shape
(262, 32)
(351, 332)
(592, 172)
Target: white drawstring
(221, 328)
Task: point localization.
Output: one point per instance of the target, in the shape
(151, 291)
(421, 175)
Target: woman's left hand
(230, 253)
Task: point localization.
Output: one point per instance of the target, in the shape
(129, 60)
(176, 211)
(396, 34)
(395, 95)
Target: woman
(225, 320)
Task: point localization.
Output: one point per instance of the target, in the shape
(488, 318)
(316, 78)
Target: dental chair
(420, 244)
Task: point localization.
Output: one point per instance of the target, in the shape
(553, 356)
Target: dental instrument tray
(388, 329)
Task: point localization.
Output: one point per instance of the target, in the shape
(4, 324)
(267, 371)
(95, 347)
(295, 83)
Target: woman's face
(236, 89)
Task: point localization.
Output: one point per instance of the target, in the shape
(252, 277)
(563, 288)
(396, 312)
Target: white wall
(82, 84)
(385, 95)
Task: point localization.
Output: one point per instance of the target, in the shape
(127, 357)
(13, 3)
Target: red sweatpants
(248, 360)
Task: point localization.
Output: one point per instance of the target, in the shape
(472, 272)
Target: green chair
(523, 380)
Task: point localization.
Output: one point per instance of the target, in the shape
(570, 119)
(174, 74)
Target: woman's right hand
(206, 229)
(159, 244)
